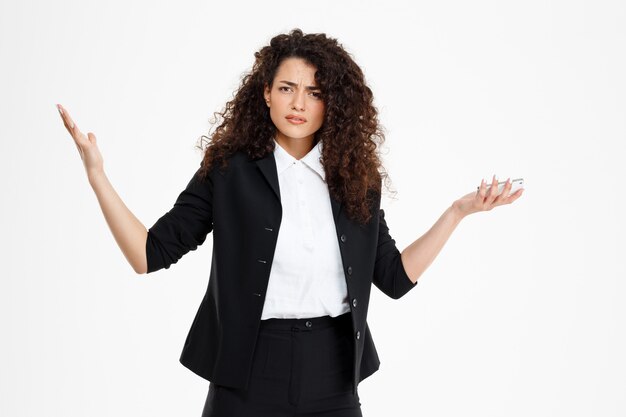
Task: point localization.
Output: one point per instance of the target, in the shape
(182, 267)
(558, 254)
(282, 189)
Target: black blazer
(242, 207)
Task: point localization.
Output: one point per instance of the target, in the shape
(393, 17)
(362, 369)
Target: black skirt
(301, 367)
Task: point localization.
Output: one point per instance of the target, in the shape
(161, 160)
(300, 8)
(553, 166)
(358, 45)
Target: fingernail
(59, 109)
(71, 125)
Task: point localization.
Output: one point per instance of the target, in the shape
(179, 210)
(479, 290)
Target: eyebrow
(292, 84)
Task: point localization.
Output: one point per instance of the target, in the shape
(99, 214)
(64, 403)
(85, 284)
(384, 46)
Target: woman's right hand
(86, 145)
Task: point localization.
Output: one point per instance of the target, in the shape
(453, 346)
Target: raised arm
(129, 233)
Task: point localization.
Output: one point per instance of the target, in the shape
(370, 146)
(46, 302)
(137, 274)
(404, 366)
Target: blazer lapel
(267, 165)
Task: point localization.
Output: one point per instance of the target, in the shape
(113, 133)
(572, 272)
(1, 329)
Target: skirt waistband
(307, 324)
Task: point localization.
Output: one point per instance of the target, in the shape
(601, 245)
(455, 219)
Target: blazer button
(343, 238)
(308, 323)
(358, 334)
(349, 270)
(354, 302)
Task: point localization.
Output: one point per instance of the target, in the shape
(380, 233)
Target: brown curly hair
(350, 131)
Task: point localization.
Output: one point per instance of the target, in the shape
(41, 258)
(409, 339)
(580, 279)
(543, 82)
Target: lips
(296, 119)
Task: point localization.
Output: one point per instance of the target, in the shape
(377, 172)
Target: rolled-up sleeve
(184, 227)
(389, 273)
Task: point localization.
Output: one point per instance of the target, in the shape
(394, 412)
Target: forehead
(296, 69)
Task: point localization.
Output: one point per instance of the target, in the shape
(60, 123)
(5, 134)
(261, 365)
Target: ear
(267, 95)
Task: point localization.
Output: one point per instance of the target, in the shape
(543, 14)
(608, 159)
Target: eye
(284, 88)
(317, 95)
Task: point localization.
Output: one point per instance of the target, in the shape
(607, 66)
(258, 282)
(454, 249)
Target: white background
(523, 311)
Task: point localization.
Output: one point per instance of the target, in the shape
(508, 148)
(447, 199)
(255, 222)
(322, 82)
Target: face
(295, 103)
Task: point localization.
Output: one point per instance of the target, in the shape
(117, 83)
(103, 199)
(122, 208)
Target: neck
(297, 148)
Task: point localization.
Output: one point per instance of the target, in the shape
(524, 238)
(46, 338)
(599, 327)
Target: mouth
(292, 118)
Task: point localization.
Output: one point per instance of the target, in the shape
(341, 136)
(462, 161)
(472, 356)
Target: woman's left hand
(483, 200)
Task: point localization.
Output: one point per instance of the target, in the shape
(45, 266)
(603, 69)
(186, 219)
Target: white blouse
(306, 276)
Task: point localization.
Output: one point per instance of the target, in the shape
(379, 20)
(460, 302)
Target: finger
(507, 187)
(79, 137)
(494, 185)
(513, 197)
(505, 191)
(493, 190)
(62, 113)
(69, 125)
(66, 117)
(482, 190)
(517, 194)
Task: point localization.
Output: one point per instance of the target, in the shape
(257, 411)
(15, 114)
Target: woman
(290, 186)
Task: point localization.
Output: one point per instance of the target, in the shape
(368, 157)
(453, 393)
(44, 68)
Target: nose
(297, 101)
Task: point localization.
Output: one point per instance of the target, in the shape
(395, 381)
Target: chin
(296, 133)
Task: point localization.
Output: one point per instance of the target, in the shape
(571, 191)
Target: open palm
(86, 144)
(483, 200)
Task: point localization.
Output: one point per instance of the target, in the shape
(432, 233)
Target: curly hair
(350, 131)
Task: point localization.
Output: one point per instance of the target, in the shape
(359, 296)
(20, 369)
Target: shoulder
(236, 164)
(233, 162)
(239, 159)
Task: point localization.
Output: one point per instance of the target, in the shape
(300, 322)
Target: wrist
(456, 212)
(95, 175)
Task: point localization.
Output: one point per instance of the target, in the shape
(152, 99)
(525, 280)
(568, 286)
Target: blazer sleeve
(184, 227)
(389, 273)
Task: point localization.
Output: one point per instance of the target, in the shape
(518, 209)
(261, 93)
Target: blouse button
(349, 270)
(354, 302)
(343, 238)
(358, 334)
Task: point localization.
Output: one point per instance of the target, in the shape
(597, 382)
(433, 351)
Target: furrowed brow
(292, 84)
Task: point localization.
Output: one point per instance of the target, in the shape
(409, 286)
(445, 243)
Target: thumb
(92, 137)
